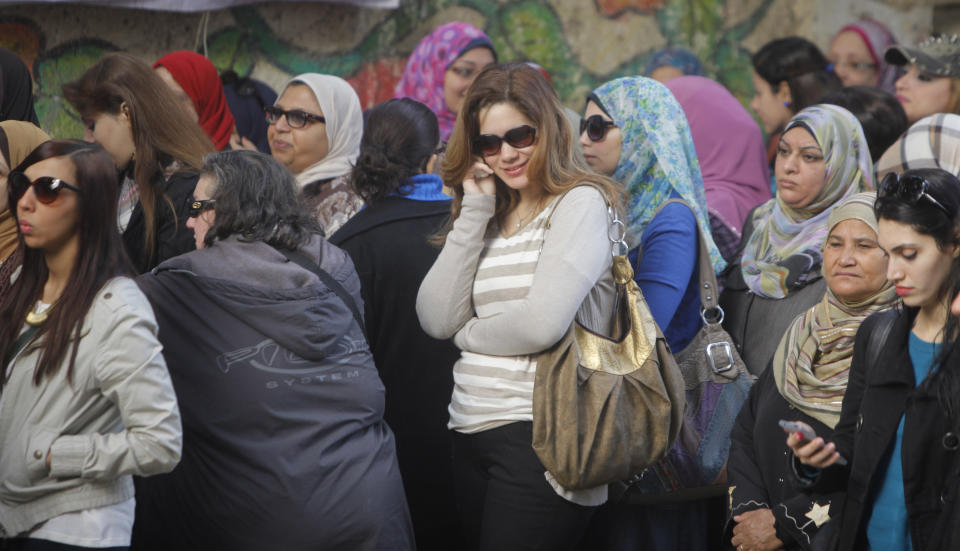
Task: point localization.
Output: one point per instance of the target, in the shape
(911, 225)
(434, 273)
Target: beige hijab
(17, 140)
(812, 363)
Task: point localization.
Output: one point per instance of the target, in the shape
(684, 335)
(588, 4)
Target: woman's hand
(479, 179)
(814, 453)
(238, 142)
(755, 531)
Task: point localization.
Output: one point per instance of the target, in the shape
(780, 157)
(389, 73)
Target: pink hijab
(730, 146)
(422, 79)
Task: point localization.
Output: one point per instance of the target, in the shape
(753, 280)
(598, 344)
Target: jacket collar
(896, 369)
(385, 211)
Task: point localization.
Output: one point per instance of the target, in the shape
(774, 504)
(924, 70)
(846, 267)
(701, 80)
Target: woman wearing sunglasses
(822, 158)
(285, 446)
(315, 129)
(85, 397)
(733, 160)
(507, 286)
(898, 428)
(128, 110)
(619, 119)
(17, 140)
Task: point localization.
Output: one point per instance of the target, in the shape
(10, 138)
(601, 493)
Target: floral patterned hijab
(657, 158)
(785, 249)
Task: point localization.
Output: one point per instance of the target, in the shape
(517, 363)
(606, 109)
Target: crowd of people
(232, 318)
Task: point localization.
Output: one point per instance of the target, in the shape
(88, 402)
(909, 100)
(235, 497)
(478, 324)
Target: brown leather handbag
(605, 408)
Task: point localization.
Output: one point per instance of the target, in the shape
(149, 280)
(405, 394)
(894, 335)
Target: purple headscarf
(877, 38)
(730, 146)
(422, 78)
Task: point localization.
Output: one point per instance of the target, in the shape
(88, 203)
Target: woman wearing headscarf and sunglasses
(619, 119)
(315, 130)
(898, 426)
(822, 158)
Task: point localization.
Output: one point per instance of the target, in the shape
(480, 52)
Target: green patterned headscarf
(657, 158)
(785, 250)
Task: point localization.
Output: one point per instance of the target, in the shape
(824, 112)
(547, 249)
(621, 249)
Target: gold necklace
(35, 318)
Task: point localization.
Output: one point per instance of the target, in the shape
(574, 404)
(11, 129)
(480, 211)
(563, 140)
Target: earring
(786, 104)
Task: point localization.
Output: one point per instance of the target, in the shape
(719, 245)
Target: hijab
(422, 78)
(730, 147)
(812, 364)
(878, 38)
(932, 142)
(199, 79)
(657, 158)
(785, 249)
(16, 89)
(17, 140)
(682, 59)
(344, 125)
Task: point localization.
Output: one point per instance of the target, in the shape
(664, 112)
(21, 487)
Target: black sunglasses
(295, 117)
(46, 188)
(518, 138)
(909, 189)
(596, 127)
(198, 207)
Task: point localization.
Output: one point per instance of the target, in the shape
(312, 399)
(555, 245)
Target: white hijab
(341, 109)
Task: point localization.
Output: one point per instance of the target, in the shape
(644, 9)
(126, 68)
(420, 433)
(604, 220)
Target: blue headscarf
(682, 59)
(657, 158)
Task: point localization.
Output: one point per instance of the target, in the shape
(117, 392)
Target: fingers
(816, 454)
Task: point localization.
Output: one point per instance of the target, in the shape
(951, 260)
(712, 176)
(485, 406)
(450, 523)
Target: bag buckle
(720, 356)
(612, 233)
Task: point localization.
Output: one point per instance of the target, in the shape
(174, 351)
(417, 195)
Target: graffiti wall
(581, 43)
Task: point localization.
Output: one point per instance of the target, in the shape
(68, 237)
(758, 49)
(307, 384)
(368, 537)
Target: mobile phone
(807, 434)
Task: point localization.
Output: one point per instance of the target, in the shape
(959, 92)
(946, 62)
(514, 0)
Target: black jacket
(757, 323)
(877, 398)
(172, 237)
(759, 468)
(284, 442)
(388, 242)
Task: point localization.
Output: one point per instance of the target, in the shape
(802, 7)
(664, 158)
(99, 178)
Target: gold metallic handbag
(605, 409)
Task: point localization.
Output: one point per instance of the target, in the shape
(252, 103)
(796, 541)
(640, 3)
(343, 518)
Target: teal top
(887, 529)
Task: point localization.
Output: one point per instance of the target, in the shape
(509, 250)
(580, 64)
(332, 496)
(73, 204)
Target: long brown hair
(100, 257)
(553, 163)
(162, 130)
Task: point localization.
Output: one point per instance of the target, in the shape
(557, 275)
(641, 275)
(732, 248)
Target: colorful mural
(581, 44)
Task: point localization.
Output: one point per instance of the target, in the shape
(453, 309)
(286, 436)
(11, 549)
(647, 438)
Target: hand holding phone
(808, 448)
(479, 178)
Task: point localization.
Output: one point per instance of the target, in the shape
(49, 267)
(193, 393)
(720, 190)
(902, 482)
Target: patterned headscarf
(657, 158)
(812, 364)
(422, 79)
(932, 142)
(682, 59)
(877, 38)
(344, 125)
(784, 251)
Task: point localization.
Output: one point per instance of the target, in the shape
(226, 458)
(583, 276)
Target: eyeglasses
(199, 207)
(295, 117)
(856, 66)
(520, 137)
(596, 127)
(909, 189)
(46, 188)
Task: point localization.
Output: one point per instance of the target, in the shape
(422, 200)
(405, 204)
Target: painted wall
(582, 43)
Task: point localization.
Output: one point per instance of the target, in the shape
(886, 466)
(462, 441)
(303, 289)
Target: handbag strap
(307, 263)
(708, 279)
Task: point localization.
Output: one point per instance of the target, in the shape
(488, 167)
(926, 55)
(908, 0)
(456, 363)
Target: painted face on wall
(298, 148)
(769, 104)
(851, 60)
(603, 155)
(800, 168)
(52, 226)
(461, 74)
(916, 265)
(854, 265)
(922, 94)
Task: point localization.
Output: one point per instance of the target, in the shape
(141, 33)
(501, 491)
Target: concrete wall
(582, 43)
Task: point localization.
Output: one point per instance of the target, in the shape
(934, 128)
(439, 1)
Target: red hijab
(200, 80)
